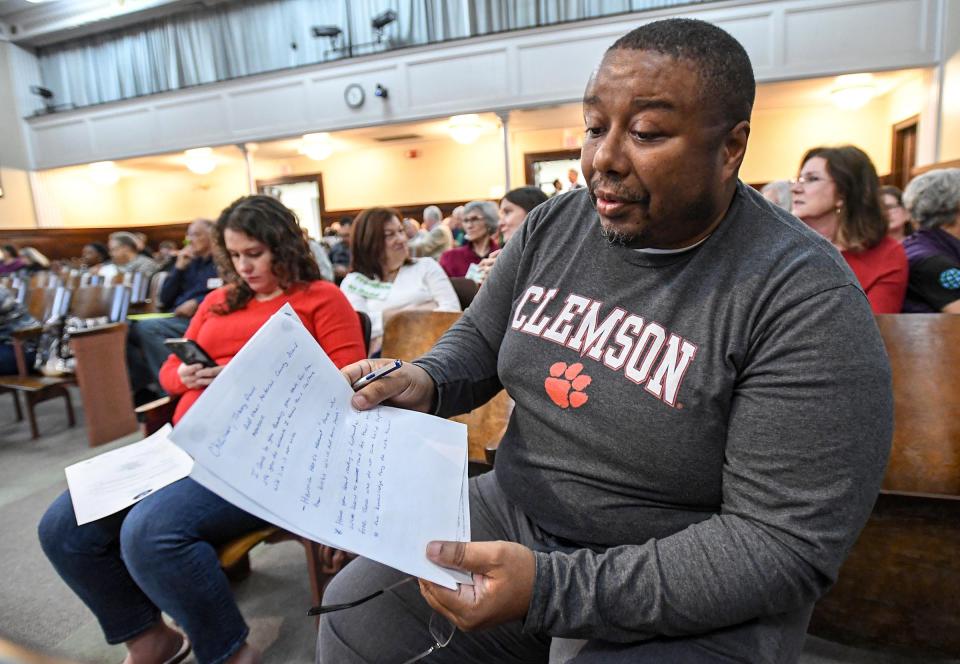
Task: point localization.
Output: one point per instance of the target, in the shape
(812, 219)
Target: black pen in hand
(377, 374)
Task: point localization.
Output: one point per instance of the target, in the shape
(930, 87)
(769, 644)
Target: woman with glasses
(837, 195)
(384, 280)
(479, 224)
(161, 554)
(899, 223)
(933, 199)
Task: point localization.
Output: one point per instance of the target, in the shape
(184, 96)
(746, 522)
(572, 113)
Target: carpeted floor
(37, 610)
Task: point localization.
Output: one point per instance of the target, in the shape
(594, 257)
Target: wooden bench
(900, 585)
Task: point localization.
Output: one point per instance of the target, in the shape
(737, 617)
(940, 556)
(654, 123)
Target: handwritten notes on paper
(275, 434)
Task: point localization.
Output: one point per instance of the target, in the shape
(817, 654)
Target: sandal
(182, 653)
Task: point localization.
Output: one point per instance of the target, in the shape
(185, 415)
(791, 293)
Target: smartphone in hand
(189, 351)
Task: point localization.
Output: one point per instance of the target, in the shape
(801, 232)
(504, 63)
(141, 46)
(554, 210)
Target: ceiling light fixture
(200, 160)
(104, 173)
(853, 91)
(316, 146)
(465, 129)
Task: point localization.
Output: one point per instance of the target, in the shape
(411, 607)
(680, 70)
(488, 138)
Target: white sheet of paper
(117, 479)
(275, 434)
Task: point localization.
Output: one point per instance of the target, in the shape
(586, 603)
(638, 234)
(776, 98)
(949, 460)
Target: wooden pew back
(924, 352)
(408, 335)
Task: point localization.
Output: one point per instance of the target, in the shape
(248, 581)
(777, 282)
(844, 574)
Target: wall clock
(354, 95)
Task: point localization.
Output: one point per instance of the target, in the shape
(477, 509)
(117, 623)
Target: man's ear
(734, 148)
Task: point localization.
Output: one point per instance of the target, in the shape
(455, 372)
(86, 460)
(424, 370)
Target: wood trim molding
(529, 158)
(955, 163)
(66, 243)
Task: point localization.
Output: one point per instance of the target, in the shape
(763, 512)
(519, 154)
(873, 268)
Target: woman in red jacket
(161, 554)
(837, 194)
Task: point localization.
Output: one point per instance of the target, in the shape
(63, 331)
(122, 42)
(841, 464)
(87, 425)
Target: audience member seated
(167, 252)
(778, 193)
(700, 431)
(126, 257)
(93, 256)
(455, 223)
(837, 194)
(933, 200)
(384, 279)
(899, 223)
(35, 261)
(160, 555)
(436, 239)
(480, 223)
(411, 227)
(340, 252)
(192, 277)
(514, 207)
(319, 255)
(11, 262)
(143, 244)
(13, 316)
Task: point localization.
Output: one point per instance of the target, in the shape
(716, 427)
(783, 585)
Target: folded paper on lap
(275, 434)
(117, 479)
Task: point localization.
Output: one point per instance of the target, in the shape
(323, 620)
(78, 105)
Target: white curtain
(248, 37)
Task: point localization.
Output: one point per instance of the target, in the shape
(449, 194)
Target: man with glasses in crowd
(194, 274)
(703, 402)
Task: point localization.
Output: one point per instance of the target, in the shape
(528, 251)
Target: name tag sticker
(474, 273)
(214, 282)
(366, 287)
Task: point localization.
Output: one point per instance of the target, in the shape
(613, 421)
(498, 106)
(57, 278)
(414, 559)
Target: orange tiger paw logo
(566, 385)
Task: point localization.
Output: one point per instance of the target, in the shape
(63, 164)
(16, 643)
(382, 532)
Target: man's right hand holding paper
(408, 387)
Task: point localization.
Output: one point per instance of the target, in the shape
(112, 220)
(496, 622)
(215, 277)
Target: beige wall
(950, 117)
(368, 176)
(172, 195)
(16, 206)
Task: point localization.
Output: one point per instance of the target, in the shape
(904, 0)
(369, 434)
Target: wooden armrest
(152, 405)
(97, 329)
(27, 333)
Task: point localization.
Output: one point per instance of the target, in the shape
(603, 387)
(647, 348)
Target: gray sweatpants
(394, 627)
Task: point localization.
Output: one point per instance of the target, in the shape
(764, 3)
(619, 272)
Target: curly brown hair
(367, 242)
(266, 220)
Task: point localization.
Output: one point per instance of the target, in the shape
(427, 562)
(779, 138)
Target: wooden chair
(101, 371)
(899, 585)
(465, 289)
(42, 303)
(408, 335)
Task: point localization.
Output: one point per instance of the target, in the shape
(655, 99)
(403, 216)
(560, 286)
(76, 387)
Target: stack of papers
(275, 434)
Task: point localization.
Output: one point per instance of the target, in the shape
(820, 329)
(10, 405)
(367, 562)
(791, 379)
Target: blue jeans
(145, 350)
(159, 555)
(8, 359)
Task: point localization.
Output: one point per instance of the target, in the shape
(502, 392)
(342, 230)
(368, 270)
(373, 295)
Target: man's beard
(614, 237)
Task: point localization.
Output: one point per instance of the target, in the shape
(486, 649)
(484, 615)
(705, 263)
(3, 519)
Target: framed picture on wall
(554, 171)
(301, 193)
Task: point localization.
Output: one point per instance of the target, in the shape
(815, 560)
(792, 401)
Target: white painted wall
(16, 206)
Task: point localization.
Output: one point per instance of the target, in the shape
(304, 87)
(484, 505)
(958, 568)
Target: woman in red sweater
(837, 194)
(161, 554)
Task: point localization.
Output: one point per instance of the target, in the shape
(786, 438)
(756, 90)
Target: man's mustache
(617, 191)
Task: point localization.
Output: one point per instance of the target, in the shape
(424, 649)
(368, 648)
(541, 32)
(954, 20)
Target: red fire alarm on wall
(411, 154)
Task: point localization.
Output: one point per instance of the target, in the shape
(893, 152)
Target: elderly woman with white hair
(933, 200)
(480, 220)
